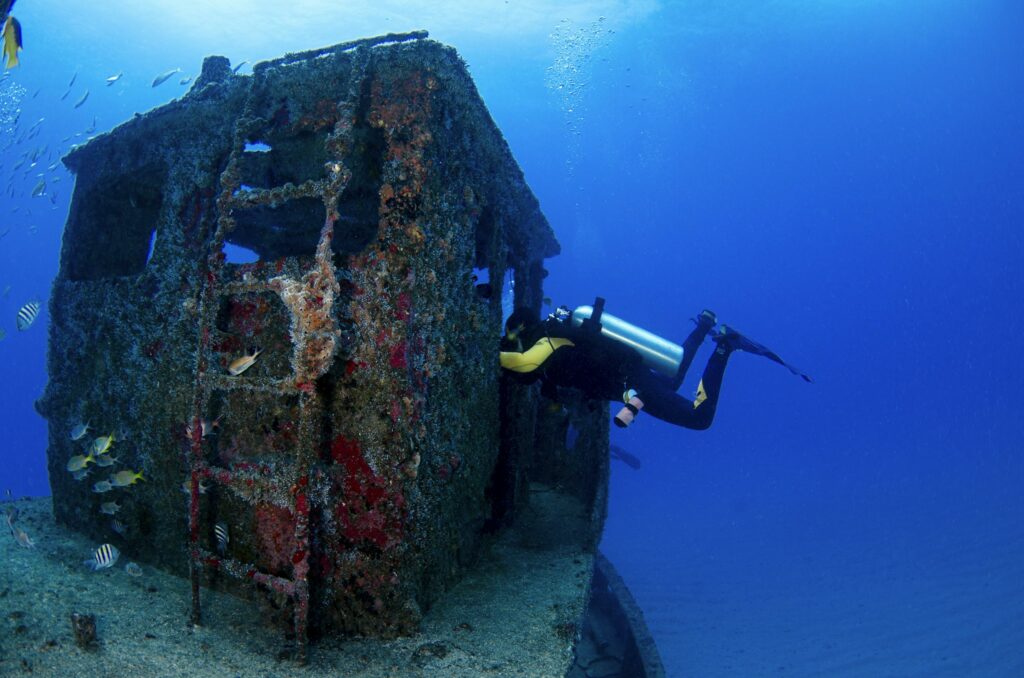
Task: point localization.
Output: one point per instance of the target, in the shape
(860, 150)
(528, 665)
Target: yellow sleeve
(534, 357)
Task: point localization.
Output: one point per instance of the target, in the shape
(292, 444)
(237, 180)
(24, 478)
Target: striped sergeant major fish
(106, 555)
(220, 530)
(27, 315)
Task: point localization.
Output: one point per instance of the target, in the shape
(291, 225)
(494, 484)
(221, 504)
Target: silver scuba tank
(657, 353)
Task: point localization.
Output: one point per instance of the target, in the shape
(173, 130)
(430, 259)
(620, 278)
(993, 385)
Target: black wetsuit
(604, 369)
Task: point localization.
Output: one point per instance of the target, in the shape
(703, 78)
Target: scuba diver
(607, 358)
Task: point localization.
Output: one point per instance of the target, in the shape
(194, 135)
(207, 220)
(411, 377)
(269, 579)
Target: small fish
(105, 460)
(133, 569)
(73, 78)
(617, 452)
(110, 507)
(12, 516)
(3, 334)
(101, 444)
(106, 555)
(12, 42)
(81, 101)
(27, 315)
(102, 486)
(79, 462)
(22, 538)
(186, 80)
(119, 527)
(163, 77)
(39, 189)
(78, 431)
(81, 474)
(114, 78)
(239, 365)
(207, 427)
(220, 531)
(238, 67)
(186, 487)
(125, 478)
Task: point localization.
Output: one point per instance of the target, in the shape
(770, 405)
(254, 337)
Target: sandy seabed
(927, 604)
(502, 619)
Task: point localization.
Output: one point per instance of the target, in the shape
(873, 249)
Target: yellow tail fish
(11, 34)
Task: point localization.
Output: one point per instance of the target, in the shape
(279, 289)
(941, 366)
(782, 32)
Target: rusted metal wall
(409, 462)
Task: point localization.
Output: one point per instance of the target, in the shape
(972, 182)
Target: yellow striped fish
(125, 478)
(78, 431)
(11, 32)
(239, 365)
(105, 556)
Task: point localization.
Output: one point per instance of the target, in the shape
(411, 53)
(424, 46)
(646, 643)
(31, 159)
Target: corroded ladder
(314, 335)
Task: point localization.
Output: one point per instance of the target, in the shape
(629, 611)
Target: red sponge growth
(397, 359)
(402, 306)
(275, 533)
(370, 512)
(345, 451)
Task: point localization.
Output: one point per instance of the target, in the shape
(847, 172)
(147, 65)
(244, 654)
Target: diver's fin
(705, 318)
(735, 341)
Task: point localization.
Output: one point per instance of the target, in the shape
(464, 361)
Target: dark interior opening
(115, 225)
(274, 158)
(286, 230)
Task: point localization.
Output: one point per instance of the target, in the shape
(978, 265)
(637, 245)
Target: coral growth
(370, 510)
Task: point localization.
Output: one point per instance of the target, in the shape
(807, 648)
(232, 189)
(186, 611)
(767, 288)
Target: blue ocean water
(840, 180)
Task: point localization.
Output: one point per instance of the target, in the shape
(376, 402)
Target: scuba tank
(659, 354)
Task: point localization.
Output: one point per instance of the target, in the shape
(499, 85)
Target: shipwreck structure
(325, 427)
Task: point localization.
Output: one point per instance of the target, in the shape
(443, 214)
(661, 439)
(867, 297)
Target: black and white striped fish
(27, 315)
(105, 556)
(220, 530)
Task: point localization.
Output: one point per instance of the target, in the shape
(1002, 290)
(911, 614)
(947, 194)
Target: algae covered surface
(347, 463)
